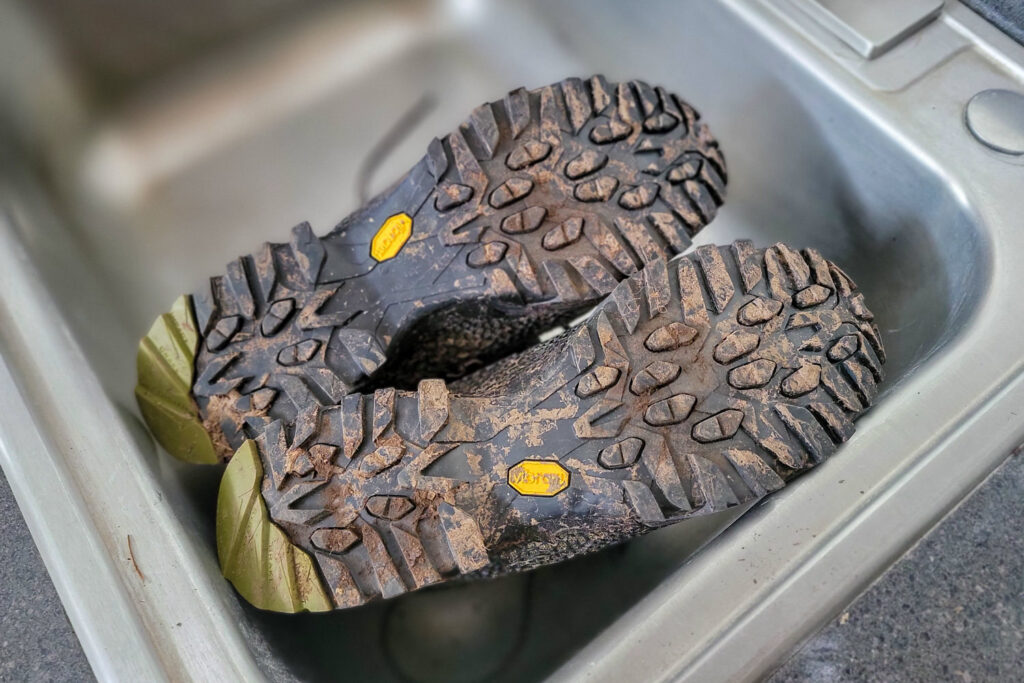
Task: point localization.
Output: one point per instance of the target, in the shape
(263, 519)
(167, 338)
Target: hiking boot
(527, 214)
(699, 384)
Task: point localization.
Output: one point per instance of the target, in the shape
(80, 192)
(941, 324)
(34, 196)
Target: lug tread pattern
(546, 198)
(792, 375)
(654, 427)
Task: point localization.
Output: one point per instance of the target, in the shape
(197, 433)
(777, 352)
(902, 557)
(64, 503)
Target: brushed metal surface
(144, 198)
(872, 27)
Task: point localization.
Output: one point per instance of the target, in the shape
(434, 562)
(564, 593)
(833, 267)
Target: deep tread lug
(317, 317)
(675, 408)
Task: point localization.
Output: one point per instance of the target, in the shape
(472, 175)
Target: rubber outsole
(528, 213)
(699, 384)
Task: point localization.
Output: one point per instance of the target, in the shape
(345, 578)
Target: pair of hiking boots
(389, 417)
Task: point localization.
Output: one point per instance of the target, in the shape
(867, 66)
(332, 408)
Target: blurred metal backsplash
(118, 44)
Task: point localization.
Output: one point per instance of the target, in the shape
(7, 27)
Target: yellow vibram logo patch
(391, 237)
(538, 478)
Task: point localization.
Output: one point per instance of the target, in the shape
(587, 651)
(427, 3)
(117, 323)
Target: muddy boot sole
(698, 385)
(531, 211)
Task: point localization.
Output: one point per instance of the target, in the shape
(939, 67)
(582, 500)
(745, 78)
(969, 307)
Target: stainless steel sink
(108, 211)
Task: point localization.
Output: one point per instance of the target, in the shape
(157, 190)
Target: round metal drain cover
(459, 633)
(996, 119)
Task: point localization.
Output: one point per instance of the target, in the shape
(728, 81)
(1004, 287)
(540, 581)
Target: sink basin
(873, 166)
